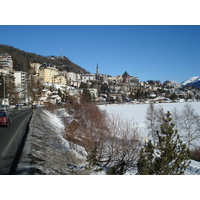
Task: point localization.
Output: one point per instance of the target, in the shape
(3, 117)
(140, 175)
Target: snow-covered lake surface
(138, 111)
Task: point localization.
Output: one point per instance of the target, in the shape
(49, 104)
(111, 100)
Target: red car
(5, 119)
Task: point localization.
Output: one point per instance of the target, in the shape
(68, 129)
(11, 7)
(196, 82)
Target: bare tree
(34, 90)
(150, 121)
(189, 123)
(109, 142)
(175, 119)
(153, 120)
(124, 145)
(88, 129)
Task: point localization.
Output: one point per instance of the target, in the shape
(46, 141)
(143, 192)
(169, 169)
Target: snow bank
(46, 151)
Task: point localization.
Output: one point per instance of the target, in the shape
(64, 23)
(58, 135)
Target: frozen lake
(138, 111)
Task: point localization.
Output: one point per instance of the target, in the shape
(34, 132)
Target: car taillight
(4, 119)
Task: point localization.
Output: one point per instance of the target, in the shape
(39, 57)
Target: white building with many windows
(6, 61)
(21, 79)
(88, 77)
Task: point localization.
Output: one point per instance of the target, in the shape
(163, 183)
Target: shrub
(109, 142)
(51, 107)
(195, 154)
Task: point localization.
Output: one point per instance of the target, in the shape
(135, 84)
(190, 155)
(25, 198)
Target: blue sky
(148, 52)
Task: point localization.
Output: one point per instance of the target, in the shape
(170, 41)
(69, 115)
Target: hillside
(22, 59)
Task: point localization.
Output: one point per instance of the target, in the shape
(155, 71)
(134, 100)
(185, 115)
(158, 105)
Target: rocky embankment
(46, 152)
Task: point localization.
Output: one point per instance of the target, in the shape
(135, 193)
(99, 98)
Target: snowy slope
(46, 152)
(194, 81)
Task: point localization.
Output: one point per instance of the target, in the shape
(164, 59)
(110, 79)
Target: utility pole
(4, 92)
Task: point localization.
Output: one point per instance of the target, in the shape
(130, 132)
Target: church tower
(97, 73)
(97, 69)
(126, 77)
(125, 82)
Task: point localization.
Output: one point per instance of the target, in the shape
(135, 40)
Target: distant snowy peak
(193, 81)
(190, 80)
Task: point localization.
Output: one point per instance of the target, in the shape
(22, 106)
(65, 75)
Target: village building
(6, 61)
(21, 79)
(35, 67)
(88, 77)
(50, 74)
(47, 72)
(72, 76)
(59, 79)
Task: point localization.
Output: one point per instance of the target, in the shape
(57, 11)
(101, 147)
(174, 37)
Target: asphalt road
(11, 137)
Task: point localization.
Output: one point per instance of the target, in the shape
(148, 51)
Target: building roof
(125, 74)
(44, 66)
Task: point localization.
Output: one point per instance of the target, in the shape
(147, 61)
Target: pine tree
(86, 96)
(145, 163)
(169, 156)
(59, 92)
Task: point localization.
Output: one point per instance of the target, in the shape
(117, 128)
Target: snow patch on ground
(193, 169)
(55, 118)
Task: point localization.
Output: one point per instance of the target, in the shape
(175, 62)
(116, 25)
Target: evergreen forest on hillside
(22, 59)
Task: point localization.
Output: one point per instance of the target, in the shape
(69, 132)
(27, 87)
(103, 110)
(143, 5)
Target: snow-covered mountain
(193, 81)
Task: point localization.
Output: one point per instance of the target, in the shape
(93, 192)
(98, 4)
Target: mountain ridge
(22, 59)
